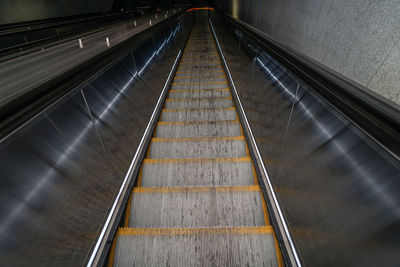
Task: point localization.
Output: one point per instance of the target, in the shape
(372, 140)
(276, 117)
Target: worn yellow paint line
(265, 209)
(210, 58)
(199, 63)
(188, 83)
(201, 67)
(199, 53)
(139, 182)
(196, 122)
(128, 210)
(254, 174)
(198, 71)
(185, 56)
(110, 262)
(203, 77)
(202, 189)
(148, 150)
(196, 109)
(197, 99)
(195, 231)
(198, 90)
(197, 139)
(278, 252)
(195, 160)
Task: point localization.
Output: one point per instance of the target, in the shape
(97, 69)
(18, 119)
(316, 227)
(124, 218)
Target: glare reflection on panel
(8, 221)
(340, 148)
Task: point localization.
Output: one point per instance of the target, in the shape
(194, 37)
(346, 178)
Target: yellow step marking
(194, 231)
(195, 160)
(200, 63)
(196, 109)
(139, 182)
(200, 50)
(202, 189)
(204, 77)
(188, 83)
(278, 252)
(203, 52)
(198, 71)
(197, 139)
(208, 56)
(196, 122)
(198, 90)
(212, 68)
(196, 56)
(128, 210)
(197, 99)
(254, 173)
(110, 262)
(265, 210)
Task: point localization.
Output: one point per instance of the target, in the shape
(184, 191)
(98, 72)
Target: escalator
(197, 200)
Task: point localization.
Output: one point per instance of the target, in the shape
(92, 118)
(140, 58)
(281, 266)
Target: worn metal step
(199, 85)
(200, 67)
(199, 93)
(244, 246)
(197, 172)
(198, 129)
(221, 114)
(197, 206)
(217, 102)
(193, 78)
(205, 147)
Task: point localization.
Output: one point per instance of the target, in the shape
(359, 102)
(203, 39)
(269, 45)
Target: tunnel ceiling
(26, 10)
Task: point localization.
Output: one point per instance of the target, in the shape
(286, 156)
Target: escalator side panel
(339, 190)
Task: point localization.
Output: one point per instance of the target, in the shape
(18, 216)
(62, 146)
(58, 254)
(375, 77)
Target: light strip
(274, 198)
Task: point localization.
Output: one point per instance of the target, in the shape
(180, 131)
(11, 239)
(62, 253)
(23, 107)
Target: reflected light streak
(7, 221)
(339, 147)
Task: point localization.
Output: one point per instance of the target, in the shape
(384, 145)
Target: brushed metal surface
(337, 187)
(61, 171)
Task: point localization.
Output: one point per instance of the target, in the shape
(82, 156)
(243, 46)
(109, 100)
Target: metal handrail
(376, 116)
(287, 245)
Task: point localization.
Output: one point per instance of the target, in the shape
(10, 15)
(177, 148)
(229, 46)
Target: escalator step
(198, 129)
(199, 114)
(247, 246)
(197, 172)
(197, 206)
(225, 102)
(205, 147)
(199, 93)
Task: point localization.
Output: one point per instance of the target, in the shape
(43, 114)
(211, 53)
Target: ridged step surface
(197, 172)
(199, 93)
(197, 201)
(205, 147)
(198, 129)
(196, 247)
(217, 102)
(197, 206)
(221, 114)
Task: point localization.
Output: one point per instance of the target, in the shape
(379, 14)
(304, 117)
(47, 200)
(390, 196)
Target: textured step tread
(197, 206)
(247, 246)
(210, 114)
(197, 172)
(198, 129)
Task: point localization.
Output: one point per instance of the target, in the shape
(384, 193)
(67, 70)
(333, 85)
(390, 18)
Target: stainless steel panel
(61, 171)
(338, 188)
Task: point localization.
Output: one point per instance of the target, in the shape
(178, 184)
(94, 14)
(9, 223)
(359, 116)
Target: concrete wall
(12, 11)
(359, 39)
